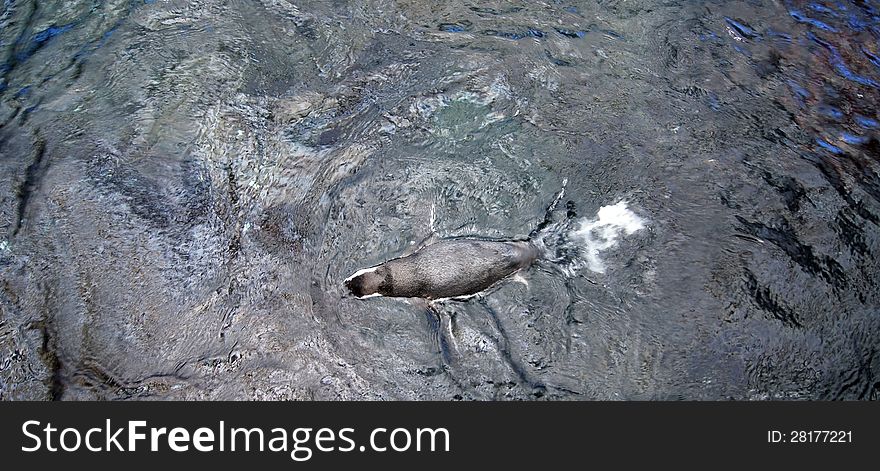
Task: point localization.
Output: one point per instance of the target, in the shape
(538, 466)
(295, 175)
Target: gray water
(185, 185)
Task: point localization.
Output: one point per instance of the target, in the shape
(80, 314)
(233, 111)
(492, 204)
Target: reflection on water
(186, 184)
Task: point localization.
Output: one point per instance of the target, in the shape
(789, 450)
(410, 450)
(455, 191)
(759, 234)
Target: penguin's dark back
(457, 267)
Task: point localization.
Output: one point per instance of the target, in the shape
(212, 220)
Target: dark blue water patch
(840, 66)
(454, 27)
(709, 36)
(110, 32)
(571, 33)
(868, 7)
(555, 61)
(26, 113)
(845, 72)
(822, 9)
(831, 92)
(51, 32)
(778, 35)
(742, 28)
(866, 122)
(856, 23)
(852, 139)
(22, 92)
(831, 112)
(93, 46)
(504, 34)
(26, 45)
(27, 49)
(800, 17)
(800, 93)
(866, 18)
(713, 101)
(829, 147)
(572, 10)
(149, 2)
(448, 28)
(513, 35)
(874, 58)
(742, 50)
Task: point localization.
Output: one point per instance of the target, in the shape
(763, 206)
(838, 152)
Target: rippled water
(185, 185)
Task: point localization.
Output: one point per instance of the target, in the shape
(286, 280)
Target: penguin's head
(370, 282)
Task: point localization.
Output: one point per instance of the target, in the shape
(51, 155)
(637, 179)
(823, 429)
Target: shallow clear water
(185, 185)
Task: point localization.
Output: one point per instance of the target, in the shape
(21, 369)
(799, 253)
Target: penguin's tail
(549, 235)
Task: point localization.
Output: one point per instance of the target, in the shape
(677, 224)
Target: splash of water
(593, 236)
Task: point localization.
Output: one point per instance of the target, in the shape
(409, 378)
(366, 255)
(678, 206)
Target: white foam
(457, 298)
(361, 272)
(604, 232)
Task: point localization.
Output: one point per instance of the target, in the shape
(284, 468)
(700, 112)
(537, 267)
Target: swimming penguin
(451, 268)
(446, 269)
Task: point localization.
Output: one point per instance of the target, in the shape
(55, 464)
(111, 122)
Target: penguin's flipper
(440, 329)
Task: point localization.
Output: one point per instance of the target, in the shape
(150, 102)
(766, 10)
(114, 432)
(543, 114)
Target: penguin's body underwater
(451, 268)
(447, 269)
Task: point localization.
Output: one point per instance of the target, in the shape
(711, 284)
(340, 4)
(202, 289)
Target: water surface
(185, 185)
